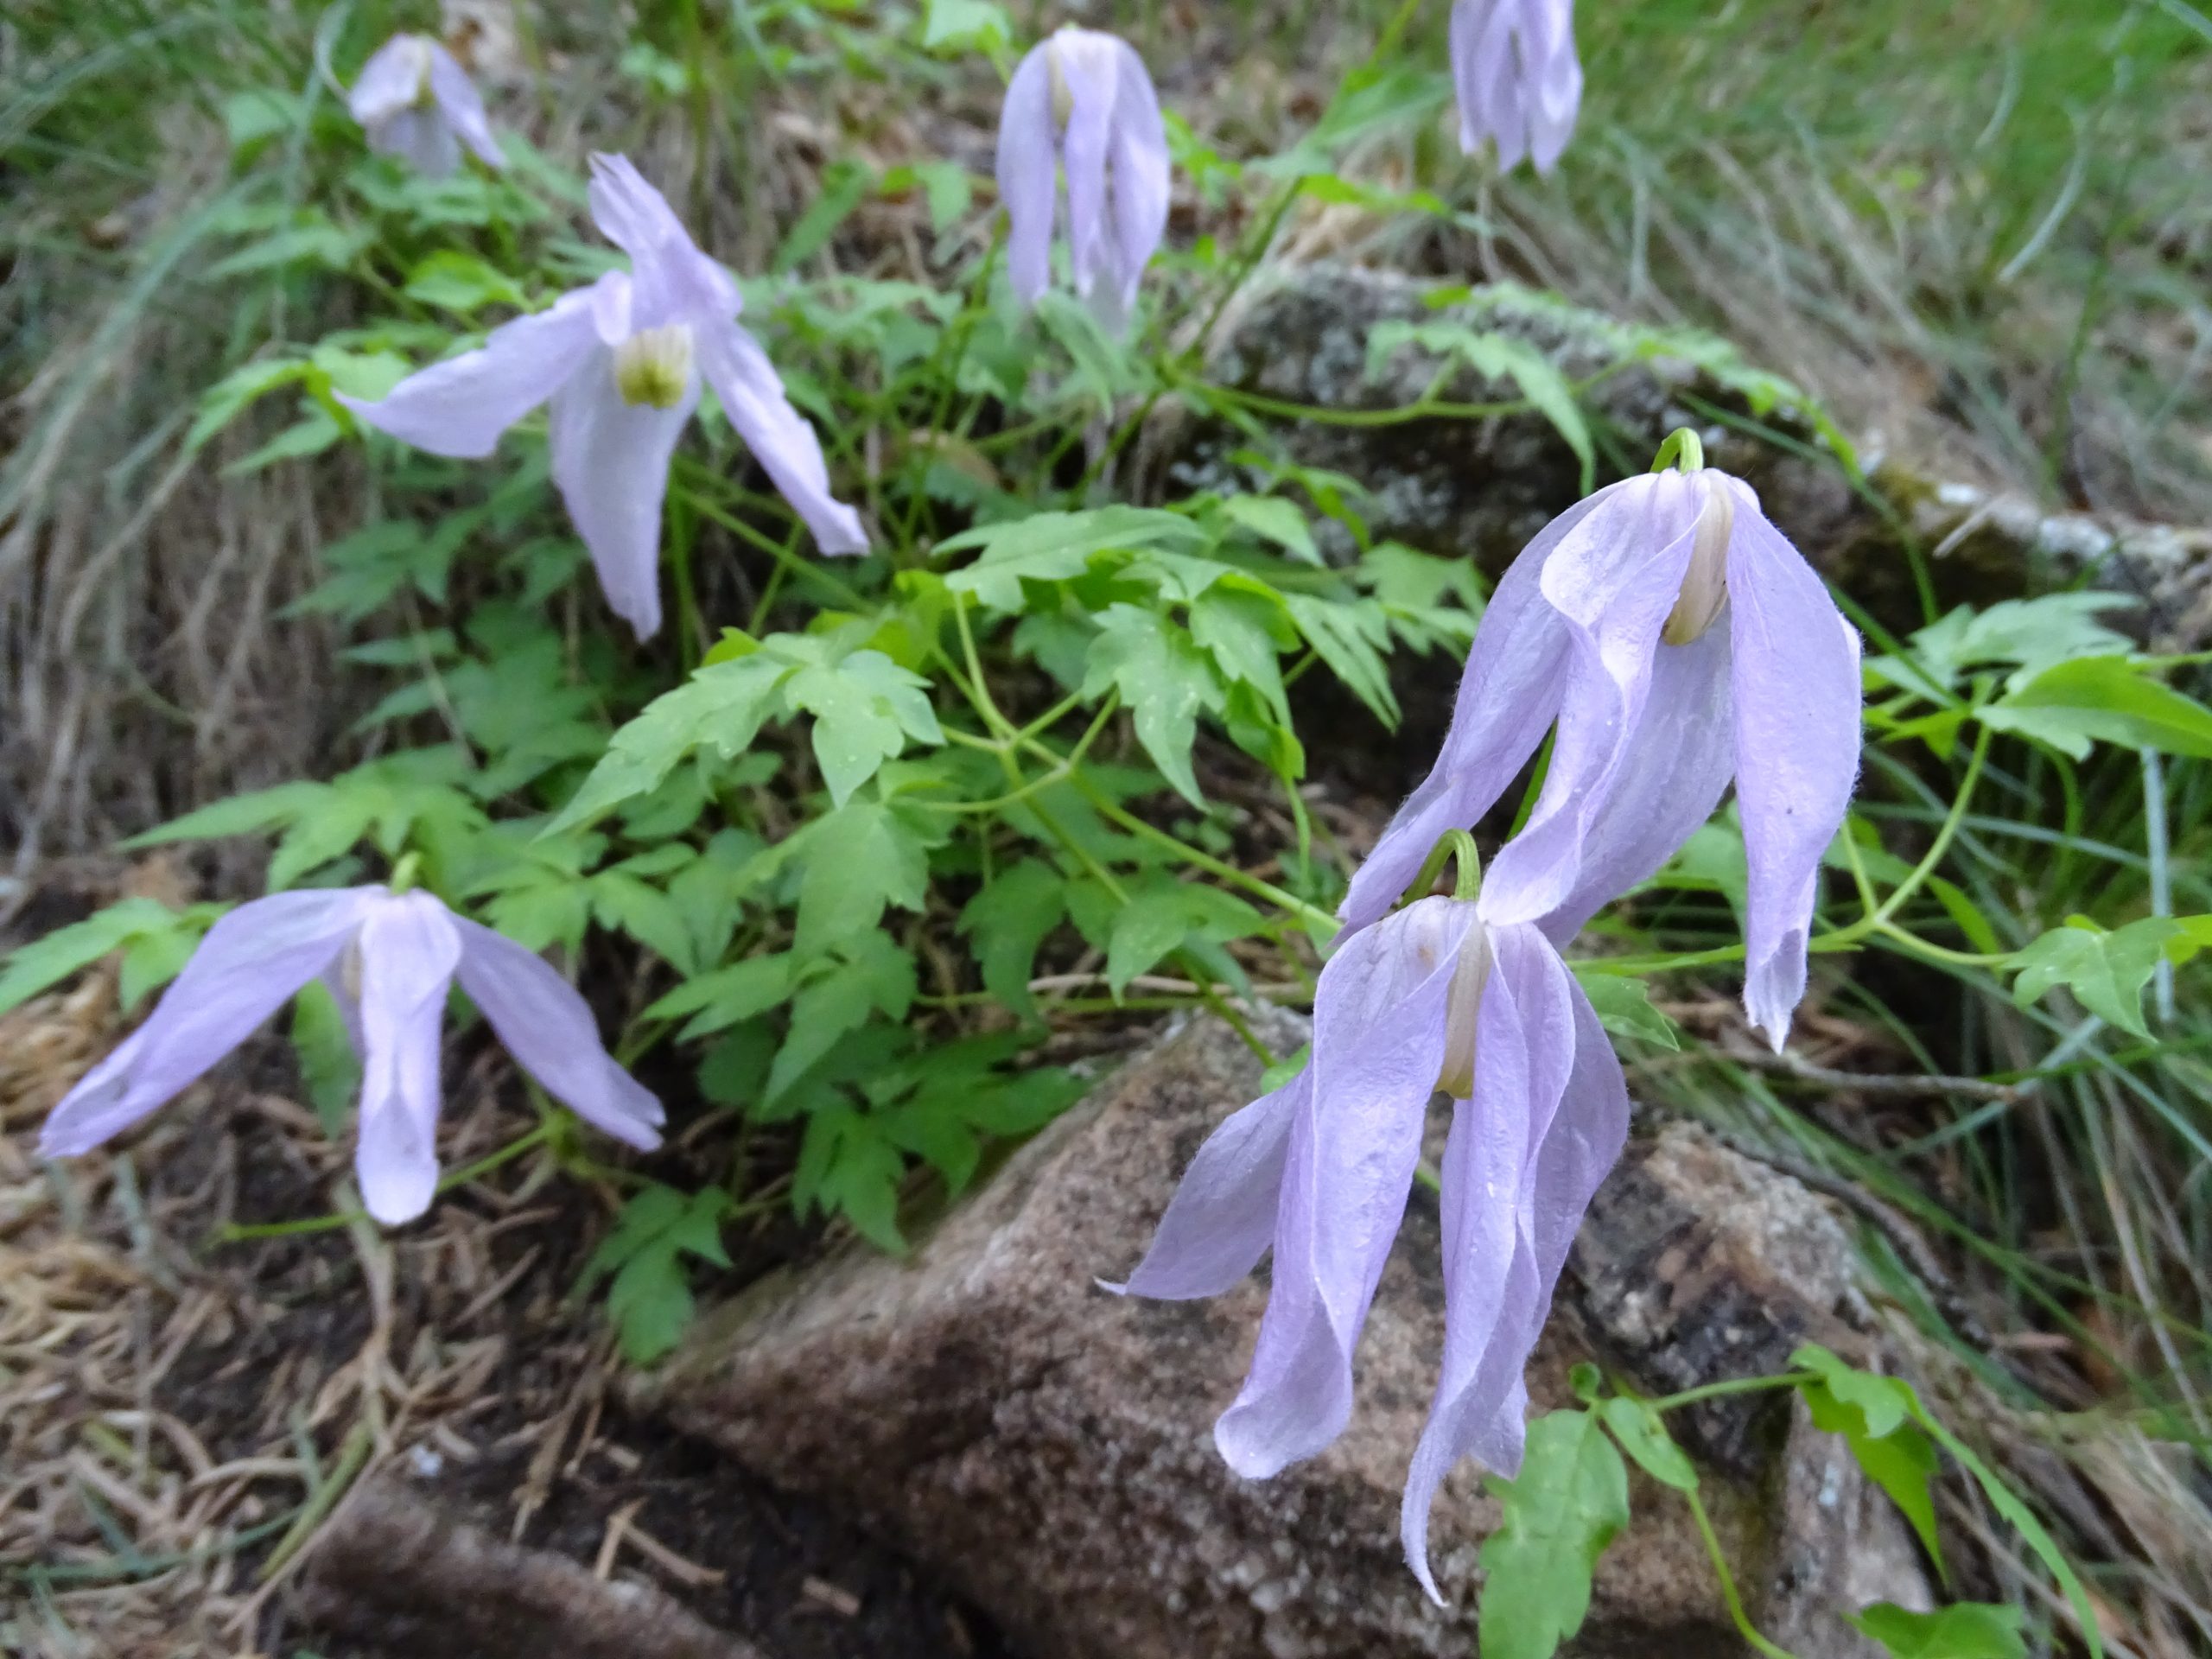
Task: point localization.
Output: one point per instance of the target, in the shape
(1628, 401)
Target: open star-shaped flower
(620, 362)
(388, 959)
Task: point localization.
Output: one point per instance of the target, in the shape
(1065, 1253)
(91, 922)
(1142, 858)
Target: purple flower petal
(421, 137)
(1797, 734)
(1222, 1218)
(1675, 768)
(1087, 65)
(392, 80)
(610, 463)
(1508, 698)
(1028, 168)
(1378, 1044)
(1136, 148)
(408, 951)
(463, 106)
(1613, 583)
(251, 962)
(675, 283)
(459, 407)
(550, 1030)
(751, 395)
(1524, 1051)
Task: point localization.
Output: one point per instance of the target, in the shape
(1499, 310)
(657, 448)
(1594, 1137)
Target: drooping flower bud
(1082, 103)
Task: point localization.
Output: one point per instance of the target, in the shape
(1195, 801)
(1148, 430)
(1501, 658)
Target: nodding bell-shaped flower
(1082, 100)
(621, 362)
(416, 102)
(388, 957)
(1520, 84)
(1677, 640)
(1432, 998)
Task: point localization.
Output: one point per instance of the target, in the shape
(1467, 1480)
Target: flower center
(418, 49)
(1063, 94)
(654, 366)
(1463, 1003)
(1705, 584)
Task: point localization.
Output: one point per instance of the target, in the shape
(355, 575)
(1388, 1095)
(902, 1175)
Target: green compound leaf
(869, 974)
(650, 1299)
(155, 938)
(2105, 970)
(1971, 1629)
(722, 705)
(1274, 519)
(1623, 1004)
(856, 862)
(1054, 547)
(1569, 1502)
(1164, 679)
(1878, 1400)
(2088, 700)
(1642, 1434)
(1006, 921)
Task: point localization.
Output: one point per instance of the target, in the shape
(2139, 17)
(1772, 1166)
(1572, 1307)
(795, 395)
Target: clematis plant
(388, 957)
(1081, 101)
(1434, 999)
(1520, 84)
(1675, 640)
(415, 101)
(621, 362)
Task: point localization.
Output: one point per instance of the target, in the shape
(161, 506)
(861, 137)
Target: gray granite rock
(1048, 1446)
(1481, 488)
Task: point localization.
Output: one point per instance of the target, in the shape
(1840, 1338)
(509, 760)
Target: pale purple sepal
(408, 952)
(388, 959)
(415, 101)
(1379, 1017)
(674, 313)
(1611, 583)
(600, 448)
(1508, 695)
(1546, 1120)
(1674, 768)
(1519, 81)
(1082, 102)
(1797, 721)
(251, 963)
(548, 1026)
(1222, 1219)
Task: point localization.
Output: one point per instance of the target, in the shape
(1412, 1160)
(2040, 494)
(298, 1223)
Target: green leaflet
(650, 1296)
(1569, 1502)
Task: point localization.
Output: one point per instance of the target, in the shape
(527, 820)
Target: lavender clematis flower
(1609, 624)
(389, 959)
(415, 101)
(1082, 99)
(621, 361)
(1520, 84)
(1433, 998)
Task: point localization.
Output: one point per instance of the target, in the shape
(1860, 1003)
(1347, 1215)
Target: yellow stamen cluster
(654, 366)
